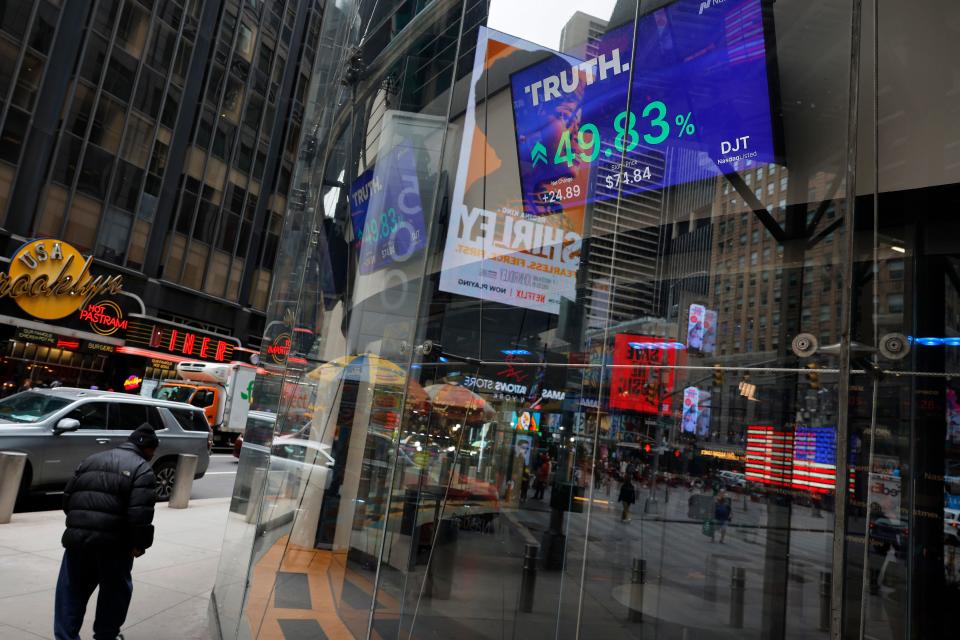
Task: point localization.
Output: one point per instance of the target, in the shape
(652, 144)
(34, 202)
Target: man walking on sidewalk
(109, 506)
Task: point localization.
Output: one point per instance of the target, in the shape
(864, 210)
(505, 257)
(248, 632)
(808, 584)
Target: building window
(114, 233)
(895, 269)
(895, 302)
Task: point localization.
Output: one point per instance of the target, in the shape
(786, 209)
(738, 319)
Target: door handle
(103, 440)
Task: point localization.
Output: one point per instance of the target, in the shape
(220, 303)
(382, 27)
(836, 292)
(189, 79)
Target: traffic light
(647, 448)
(812, 376)
(717, 375)
(676, 453)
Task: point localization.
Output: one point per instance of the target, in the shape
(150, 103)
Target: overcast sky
(540, 21)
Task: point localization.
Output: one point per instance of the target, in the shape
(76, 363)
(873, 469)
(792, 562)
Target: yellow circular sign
(49, 279)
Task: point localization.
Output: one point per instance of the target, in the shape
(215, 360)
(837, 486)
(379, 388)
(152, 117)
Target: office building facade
(159, 138)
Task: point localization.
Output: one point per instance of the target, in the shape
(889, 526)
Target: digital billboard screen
(643, 374)
(691, 76)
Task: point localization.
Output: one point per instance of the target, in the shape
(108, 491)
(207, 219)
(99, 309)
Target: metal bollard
(738, 584)
(439, 578)
(183, 481)
(12, 464)
(826, 588)
(710, 579)
(528, 581)
(638, 577)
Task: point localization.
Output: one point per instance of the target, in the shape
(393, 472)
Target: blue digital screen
(386, 210)
(689, 78)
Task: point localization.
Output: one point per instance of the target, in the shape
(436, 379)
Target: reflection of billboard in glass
(525, 421)
(709, 331)
(387, 212)
(642, 377)
(699, 77)
(691, 410)
(701, 329)
(703, 420)
(799, 458)
(953, 417)
(695, 326)
(493, 251)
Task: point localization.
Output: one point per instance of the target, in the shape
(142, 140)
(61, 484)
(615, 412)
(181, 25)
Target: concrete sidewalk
(171, 583)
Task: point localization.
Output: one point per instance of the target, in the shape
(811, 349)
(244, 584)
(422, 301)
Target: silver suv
(57, 428)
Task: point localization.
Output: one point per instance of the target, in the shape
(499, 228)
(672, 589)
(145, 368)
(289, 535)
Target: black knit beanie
(144, 437)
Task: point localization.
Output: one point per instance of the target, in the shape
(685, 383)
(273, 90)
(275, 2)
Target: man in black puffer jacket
(109, 506)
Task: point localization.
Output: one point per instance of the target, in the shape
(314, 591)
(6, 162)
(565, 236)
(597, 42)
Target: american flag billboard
(798, 457)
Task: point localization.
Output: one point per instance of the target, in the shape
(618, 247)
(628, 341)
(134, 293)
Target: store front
(622, 319)
(66, 323)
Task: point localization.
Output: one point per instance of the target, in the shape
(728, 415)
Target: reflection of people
(524, 483)
(721, 516)
(883, 535)
(27, 385)
(628, 495)
(543, 475)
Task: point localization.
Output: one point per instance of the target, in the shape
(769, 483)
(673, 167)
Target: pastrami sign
(49, 279)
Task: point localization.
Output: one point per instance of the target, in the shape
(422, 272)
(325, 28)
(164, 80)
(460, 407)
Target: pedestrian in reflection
(524, 483)
(628, 495)
(722, 513)
(109, 506)
(543, 475)
(27, 385)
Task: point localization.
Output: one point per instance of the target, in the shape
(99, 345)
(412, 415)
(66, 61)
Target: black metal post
(440, 572)
(638, 577)
(710, 579)
(738, 584)
(528, 582)
(826, 588)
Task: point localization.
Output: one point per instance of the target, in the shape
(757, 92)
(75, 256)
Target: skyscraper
(160, 138)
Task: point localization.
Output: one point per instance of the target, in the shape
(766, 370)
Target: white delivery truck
(223, 391)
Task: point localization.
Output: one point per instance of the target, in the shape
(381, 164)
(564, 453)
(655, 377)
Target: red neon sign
(68, 344)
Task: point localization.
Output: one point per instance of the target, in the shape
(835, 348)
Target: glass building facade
(624, 319)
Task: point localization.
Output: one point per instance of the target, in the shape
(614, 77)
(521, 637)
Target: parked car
(58, 428)
(951, 526)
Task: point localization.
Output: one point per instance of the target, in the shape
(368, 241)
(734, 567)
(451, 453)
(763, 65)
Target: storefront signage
(643, 376)
(49, 279)
(98, 347)
(68, 343)
(163, 365)
(279, 349)
(104, 316)
(35, 336)
(722, 455)
(132, 382)
(488, 385)
(176, 340)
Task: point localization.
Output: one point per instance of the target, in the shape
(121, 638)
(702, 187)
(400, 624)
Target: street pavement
(687, 593)
(172, 582)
